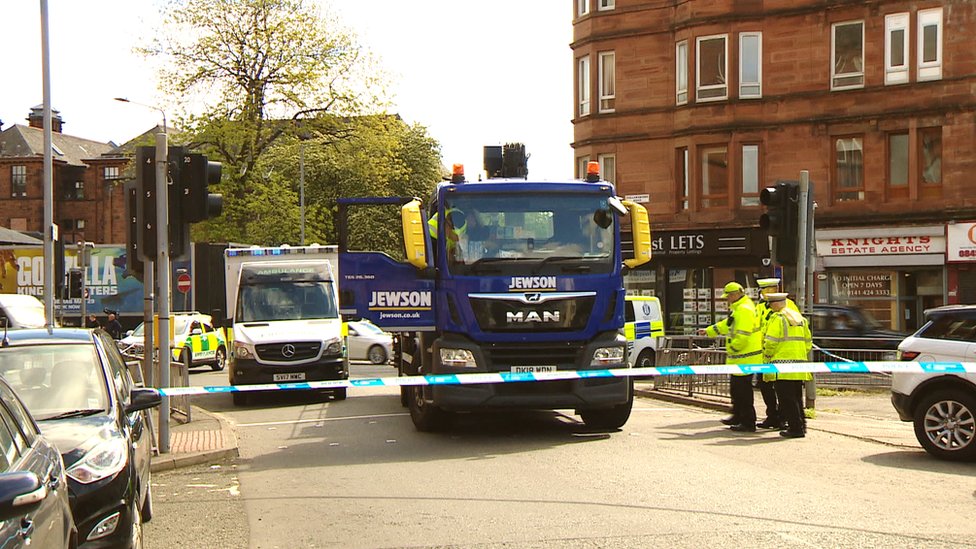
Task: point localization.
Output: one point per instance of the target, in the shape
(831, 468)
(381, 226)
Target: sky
(473, 73)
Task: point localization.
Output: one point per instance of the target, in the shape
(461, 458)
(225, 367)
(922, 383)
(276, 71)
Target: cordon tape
(523, 377)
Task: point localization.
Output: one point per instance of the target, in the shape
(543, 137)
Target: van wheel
(610, 418)
(646, 359)
(945, 424)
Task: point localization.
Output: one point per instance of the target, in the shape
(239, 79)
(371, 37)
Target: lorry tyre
(220, 359)
(426, 417)
(609, 418)
(944, 424)
(646, 359)
(404, 396)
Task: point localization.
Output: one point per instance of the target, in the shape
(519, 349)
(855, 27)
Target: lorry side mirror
(414, 234)
(641, 227)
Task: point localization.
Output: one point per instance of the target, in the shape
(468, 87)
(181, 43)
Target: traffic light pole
(162, 275)
(801, 239)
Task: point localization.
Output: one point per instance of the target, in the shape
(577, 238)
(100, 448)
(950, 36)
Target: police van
(644, 329)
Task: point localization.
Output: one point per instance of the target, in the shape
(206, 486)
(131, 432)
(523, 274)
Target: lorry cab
(644, 330)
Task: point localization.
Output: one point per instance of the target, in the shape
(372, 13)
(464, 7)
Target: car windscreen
(55, 380)
(286, 301)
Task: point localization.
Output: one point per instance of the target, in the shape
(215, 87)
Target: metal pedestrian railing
(179, 376)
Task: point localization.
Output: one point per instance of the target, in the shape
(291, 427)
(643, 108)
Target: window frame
(742, 81)
(899, 190)
(18, 179)
(681, 72)
(602, 159)
(931, 70)
(581, 162)
(707, 200)
(839, 193)
(583, 86)
(682, 190)
(606, 5)
(896, 74)
(922, 132)
(834, 76)
(724, 86)
(750, 199)
(110, 173)
(582, 8)
(604, 97)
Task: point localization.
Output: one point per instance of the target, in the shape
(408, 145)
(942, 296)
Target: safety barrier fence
(179, 376)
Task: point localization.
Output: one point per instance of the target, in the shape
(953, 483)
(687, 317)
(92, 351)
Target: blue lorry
(498, 276)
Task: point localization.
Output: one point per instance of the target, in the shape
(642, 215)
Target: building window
(605, 5)
(898, 163)
(582, 7)
(750, 175)
(750, 64)
(714, 176)
(681, 177)
(930, 156)
(930, 44)
(608, 167)
(896, 48)
(583, 87)
(712, 68)
(73, 190)
(847, 70)
(681, 72)
(608, 87)
(110, 173)
(849, 168)
(18, 181)
(581, 163)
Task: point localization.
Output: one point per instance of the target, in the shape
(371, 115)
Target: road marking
(316, 420)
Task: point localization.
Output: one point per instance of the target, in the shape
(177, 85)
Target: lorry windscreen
(271, 301)
(515, 232)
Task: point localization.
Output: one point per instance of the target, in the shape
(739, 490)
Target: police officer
(787, 339)
(766, 382)
(743, 345)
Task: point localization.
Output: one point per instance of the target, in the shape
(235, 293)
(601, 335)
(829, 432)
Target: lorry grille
(564, 355)
(284, 352)
(499, 315)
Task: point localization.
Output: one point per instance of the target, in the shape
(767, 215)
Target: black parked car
(78, 388)
(34, 504)
(841, 327)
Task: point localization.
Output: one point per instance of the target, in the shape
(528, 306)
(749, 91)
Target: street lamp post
(162, 274)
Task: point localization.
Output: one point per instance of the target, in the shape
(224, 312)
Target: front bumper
(251, 372)
(603, 392)
(902, 404)
(92, 503)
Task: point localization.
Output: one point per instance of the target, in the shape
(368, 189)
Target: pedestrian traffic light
(74, 283)
(196, 175)
(146, 204)
(781, 219)
(134, 266)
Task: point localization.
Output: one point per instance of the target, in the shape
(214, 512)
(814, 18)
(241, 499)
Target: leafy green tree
(258, 66)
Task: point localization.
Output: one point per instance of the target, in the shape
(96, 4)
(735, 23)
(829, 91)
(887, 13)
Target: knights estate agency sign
(962, 242)
(881, 245)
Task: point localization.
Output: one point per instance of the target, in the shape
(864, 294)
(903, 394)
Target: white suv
(943, 405)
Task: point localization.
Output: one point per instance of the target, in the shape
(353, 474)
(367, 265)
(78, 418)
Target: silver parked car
(366, 341)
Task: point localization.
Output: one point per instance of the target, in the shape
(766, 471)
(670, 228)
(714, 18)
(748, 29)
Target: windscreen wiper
(76, 413)
(554, 259)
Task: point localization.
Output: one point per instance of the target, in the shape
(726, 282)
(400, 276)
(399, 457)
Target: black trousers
(790, 393)
(743, 407)
(768, 391)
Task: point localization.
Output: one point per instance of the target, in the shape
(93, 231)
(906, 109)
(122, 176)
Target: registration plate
(532, 369)
(297, 376)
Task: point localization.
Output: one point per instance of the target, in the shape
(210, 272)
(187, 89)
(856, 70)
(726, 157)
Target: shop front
(894, 273)
(961, 262)
(688, 270)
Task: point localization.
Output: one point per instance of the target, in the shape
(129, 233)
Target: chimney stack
(36, 119)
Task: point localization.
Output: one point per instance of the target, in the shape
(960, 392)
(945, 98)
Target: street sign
(183, 283)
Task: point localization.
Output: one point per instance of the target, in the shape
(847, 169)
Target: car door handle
(26, 528)
(53, 480)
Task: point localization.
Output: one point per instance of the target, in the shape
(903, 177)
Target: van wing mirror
(414, 229)
(641, 227)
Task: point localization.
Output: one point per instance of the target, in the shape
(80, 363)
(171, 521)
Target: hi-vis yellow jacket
(787, 338)
(743, 340)
(764, 312)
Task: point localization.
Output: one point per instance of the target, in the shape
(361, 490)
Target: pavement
(865, 415)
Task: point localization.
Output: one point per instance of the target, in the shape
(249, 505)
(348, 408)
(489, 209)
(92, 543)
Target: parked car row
(75, 441)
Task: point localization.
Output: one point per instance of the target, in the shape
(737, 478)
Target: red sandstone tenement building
(695, 106)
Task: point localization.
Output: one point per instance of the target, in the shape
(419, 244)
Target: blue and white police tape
(523, 377)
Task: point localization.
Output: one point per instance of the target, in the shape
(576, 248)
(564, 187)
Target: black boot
(731, 420)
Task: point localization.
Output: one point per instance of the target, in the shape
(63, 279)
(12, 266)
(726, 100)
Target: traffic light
(781, 219)
(74, 283)
(146, 204)
(196, 175)
(59, 266)
(177, 223)
(133, 260)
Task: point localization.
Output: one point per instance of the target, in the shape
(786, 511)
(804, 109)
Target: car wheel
(135, 536)
(147, 504)
(945, 424)
(645, 359)
(376, 354)
(220, 360)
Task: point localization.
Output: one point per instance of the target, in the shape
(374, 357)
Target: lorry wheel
(944, 422)
(646, 359)
(376, 354)
(426, 417)
(404, 396)
(609, 418)
(220, 359)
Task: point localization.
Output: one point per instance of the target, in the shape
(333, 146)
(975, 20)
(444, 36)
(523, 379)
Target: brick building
(700, 104)
(89, 202)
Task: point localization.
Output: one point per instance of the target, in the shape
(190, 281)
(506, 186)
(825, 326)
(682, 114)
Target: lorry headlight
(458, 358)
(333, 346)
(607, 355)
(243, 350)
